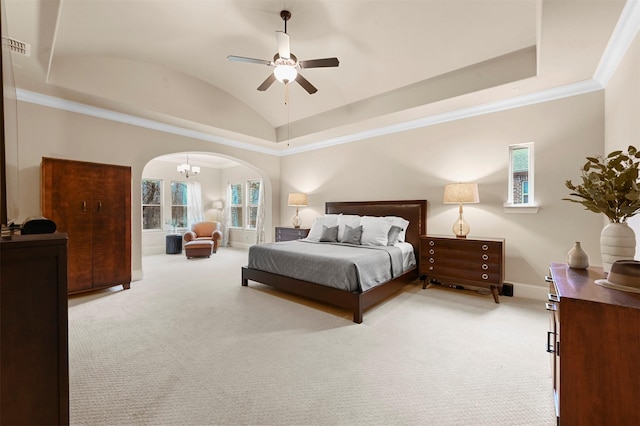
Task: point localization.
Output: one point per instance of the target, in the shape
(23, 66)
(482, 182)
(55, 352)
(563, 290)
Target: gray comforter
(343, 266)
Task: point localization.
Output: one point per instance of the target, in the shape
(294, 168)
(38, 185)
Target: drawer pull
(431, 268)
(432, 243)
(548, 279)
(431, 251)
(551, 306)
(553, 297)
(431, 260)
(485, 266)
(485, 247)
(485, 257)
(485, 276)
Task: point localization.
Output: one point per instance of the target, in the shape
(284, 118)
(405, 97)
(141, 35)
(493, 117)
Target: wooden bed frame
(414, 211)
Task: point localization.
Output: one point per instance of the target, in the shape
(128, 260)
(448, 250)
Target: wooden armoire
(91, 202)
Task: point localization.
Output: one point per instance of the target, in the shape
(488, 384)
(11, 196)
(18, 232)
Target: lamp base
(461, 236)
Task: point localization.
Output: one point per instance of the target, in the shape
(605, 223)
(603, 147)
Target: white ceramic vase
(617, 242)
(577, 258)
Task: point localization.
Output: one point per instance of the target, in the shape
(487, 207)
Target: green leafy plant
(610, 185)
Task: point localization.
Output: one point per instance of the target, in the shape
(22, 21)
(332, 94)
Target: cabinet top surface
(453, 237)
(580, 284)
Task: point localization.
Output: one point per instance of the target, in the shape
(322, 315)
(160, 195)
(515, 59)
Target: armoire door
(66, 199)
(111, 195)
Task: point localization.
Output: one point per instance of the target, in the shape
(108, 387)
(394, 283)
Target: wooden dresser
(463, 261)
(34, 355)
(91, 202)
(288, 234)
(594, 339)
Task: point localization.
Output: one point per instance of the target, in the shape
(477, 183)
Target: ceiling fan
(285, 63)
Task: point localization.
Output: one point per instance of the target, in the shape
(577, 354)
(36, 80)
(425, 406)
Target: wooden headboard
(415, 211)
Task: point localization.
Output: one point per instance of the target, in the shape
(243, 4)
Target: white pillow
(347, 219)
(402, 223)
(375, 231)
(316, 229)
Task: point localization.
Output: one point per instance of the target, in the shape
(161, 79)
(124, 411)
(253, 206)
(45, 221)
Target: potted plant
(610, 186)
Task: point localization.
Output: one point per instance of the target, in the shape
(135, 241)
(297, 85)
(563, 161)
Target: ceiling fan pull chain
(286, 93)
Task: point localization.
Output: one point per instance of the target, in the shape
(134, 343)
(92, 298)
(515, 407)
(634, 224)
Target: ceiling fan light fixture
(285, 73)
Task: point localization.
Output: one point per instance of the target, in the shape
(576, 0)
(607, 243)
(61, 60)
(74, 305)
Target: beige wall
(622, 112)
(408, 165)
(417, 164)
(49, 132)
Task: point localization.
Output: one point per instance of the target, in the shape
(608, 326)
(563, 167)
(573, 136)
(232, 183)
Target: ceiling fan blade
(249, 60)
(268, 82)
(284, 48)
(319, 63)
(305, 84)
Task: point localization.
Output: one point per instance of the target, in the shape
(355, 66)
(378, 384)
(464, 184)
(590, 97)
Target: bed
(415, 211)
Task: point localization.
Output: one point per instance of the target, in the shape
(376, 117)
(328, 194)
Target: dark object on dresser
(284, 233)
(37, 225)
(34, 363)
(415, 211)
(467, 261)
(91, 202)
(595, 346)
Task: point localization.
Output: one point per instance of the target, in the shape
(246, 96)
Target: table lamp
(297, 200)
(460, 193)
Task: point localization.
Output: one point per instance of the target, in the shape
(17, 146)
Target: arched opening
(214, 173)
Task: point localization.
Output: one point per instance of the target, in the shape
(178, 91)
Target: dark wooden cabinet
(463, 261)
(34, 360)
(91, 202)
(594, 341)
(289, 234)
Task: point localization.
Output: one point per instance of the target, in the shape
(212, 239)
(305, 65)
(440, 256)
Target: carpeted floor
(188, 345)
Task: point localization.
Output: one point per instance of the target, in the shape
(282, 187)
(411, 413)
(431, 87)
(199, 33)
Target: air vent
(16, 46)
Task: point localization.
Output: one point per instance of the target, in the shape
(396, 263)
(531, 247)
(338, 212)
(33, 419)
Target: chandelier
(187, 170)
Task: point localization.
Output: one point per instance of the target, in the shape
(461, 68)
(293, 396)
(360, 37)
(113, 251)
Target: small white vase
(577, 258)
(617, 242)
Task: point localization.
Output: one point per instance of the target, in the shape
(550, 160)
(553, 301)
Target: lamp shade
(455, 193)
(297, 199)
(217, 204)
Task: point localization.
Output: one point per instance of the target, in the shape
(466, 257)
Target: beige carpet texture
(188, 345)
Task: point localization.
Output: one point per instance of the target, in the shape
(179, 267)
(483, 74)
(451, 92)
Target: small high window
(521, 175)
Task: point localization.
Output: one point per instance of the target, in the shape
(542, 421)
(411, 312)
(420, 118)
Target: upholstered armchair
(205, 231)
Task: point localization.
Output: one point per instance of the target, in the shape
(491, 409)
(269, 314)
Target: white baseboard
(529, 291)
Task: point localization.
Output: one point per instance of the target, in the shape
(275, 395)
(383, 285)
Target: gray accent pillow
(329, 234)
(394, 235)
(352, 235)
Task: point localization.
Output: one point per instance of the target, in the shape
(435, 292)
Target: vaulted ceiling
(166, 60)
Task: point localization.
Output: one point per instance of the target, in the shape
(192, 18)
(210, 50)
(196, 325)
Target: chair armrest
(216, 235)
(189, 236)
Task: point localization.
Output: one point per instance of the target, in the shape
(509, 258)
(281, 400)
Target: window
(236, 205)
(179, 203)
(151, 204)
(521, 175)
(253, 197)
(244, 205)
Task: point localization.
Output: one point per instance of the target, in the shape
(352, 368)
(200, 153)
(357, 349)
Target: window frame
(240, 206)
(160, 205)
(250, 205)
(521, 207)
(185, 206)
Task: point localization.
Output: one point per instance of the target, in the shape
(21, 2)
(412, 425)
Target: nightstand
(463, 261)
(284, 233)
